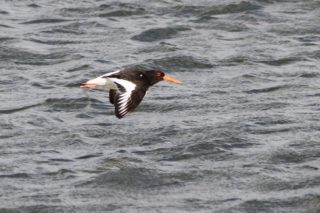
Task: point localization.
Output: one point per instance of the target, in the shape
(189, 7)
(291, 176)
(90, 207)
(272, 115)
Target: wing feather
(128, 97)
(112, 94)
(126, 103)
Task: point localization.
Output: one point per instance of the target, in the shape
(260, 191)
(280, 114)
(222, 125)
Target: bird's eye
(141, 75)
(159, 74)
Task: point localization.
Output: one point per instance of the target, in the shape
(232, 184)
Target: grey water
(241, 134)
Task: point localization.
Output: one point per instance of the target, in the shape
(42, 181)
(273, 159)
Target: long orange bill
(170, 79)
(90, 86)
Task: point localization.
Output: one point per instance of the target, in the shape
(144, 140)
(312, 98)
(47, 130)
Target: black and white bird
(128, 86)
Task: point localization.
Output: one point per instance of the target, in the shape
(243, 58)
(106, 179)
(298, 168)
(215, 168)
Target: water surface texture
(241, 134)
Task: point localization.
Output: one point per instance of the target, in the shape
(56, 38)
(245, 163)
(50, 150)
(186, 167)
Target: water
(240, 135)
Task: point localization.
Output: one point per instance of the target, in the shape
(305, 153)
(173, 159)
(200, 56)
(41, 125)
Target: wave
(180, 63)
(16, 175)
(45, 21)
(69, 104)
(306, 203)
(13, 110)
(268, 89)
(19, 56)
(282, 61)
(5, 26)
(123, 13)
(139, 178)
(201, 11)
(231, 8)
(156, 34)
(3, 12)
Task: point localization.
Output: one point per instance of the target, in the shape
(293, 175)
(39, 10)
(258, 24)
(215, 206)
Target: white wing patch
(124, 96)
(110, 73)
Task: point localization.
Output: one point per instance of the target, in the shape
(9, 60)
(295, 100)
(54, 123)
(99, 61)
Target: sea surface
(241, 134)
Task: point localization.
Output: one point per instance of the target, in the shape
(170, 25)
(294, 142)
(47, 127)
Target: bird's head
(154, 76)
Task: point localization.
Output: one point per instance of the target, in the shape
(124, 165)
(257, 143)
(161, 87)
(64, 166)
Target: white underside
(103, 83)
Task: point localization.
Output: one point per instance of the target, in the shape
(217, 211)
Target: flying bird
(128, 86)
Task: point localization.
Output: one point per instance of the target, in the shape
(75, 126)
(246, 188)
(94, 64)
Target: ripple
(229, 27)
(4, 39)
(270, 106)
(76, 10)
(302, 203)
(274, 184)
(54, 41)
(63, 31)
(140, 178)
(16, 175)
(235, 61)
(308, 39)
(69, 104)
(273, 130)
(181, 63)
(243, 6)
(299, 30)
(13, 110)
(297, 152)
(35, 208)
(271, 121)
(5, 26)
(50, 59)
(95, 155)
(60, 160)
(123, 13)
(79, 68)
(46, 21)
(19, 56)
(206, 11)
(268, 89)
(204, 150)
(216, 145)
(33, 5)
(293, 156)
(313, 54)
(162, 47)
(3, 12)
(309, 75)
(42, 86)
(156, 34)
(61, 174)
(185, 10)
(282, 61)
(78, 28)
(112, 9)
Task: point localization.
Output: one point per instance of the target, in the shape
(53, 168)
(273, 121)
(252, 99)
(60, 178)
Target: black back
(143, 78)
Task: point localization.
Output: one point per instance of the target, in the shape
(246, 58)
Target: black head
(152, 77)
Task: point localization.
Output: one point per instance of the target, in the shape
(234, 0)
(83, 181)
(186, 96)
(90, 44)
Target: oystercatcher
(128, 86)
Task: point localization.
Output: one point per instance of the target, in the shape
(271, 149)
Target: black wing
(125, 102)
(112, 93)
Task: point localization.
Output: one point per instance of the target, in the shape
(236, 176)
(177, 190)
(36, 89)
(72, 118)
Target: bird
(128, 86)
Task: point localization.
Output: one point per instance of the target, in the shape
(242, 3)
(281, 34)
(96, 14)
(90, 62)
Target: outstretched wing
(112, 94)
(127, 97)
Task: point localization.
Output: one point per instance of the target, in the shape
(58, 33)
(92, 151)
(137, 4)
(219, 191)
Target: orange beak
(170, 79)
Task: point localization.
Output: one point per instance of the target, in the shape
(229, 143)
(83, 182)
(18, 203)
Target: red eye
(159, 74)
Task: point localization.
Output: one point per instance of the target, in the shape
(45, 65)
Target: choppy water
(240, 135)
